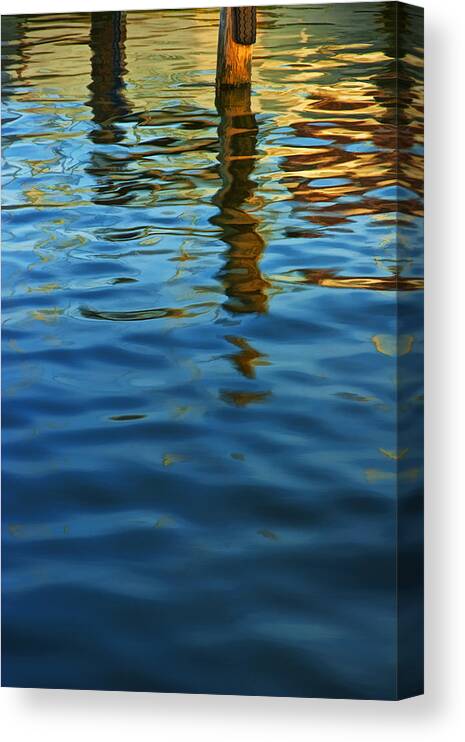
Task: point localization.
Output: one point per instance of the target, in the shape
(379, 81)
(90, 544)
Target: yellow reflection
(393, 345)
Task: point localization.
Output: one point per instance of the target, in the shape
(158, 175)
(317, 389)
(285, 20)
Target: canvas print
(212, 350)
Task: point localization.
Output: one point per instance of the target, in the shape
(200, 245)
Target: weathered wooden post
(236, 37)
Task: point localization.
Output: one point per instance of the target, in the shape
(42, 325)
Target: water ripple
(208, 502)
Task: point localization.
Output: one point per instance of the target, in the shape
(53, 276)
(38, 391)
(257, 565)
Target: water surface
(211, 316)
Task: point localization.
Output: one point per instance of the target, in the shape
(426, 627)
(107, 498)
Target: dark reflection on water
(108, 102)
(212, 354)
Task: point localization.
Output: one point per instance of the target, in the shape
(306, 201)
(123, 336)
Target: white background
(80, 715)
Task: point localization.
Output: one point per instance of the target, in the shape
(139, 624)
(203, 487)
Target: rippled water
(206, 406)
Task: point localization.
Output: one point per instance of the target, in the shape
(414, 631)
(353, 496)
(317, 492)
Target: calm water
(201, 372)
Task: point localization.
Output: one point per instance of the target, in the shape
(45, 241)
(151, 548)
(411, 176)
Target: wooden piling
(234, 60)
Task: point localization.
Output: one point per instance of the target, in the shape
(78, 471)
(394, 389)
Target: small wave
(143, 314)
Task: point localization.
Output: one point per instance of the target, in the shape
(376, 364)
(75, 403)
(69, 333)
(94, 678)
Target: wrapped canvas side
(409, 57)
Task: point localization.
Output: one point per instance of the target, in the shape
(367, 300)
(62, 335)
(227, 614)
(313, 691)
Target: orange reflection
(243, 282)
(248, 358)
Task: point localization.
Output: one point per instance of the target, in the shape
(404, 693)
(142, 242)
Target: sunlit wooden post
(235, 43)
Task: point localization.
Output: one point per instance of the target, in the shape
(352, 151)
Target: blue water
(211, 354)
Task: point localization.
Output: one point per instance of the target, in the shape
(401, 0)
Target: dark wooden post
(235, 42)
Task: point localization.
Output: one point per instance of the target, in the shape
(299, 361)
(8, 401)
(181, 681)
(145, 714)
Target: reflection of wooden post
(245, 288)
(109, 106)
(108, 103)
(234, 61)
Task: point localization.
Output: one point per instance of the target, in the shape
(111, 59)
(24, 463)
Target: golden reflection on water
(248, 357)
(243, 282)
(336, 179)
(331, 280)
